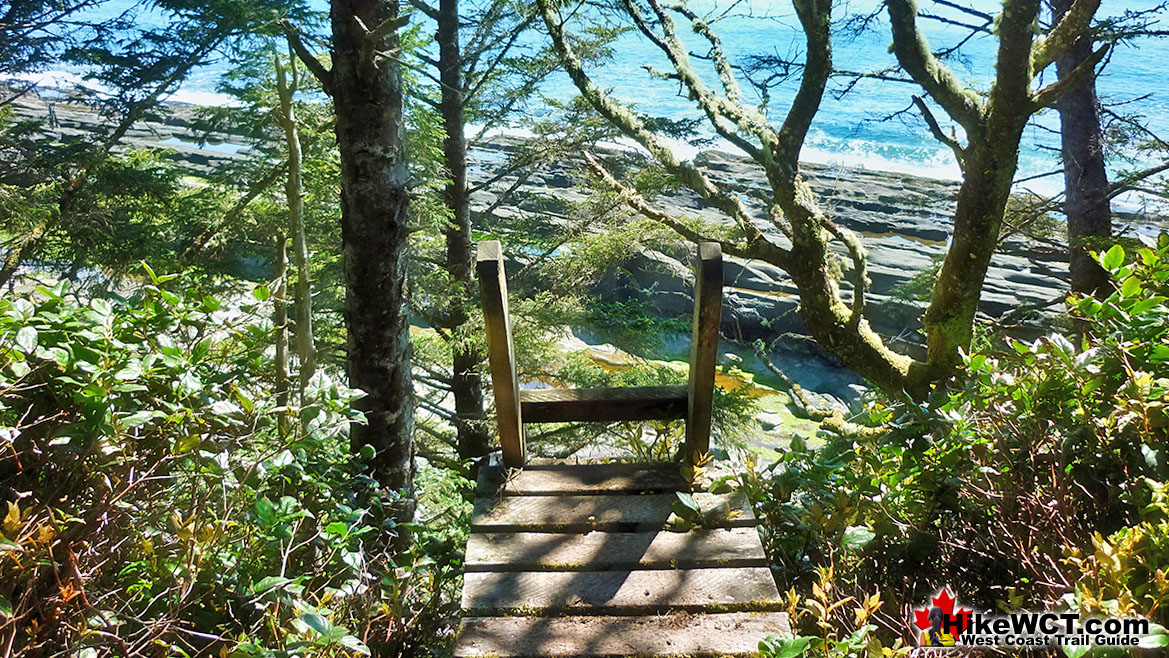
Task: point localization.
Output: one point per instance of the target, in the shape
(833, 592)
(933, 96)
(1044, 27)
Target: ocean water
(872, 125)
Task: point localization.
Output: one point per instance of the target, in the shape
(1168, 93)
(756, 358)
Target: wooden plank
(501, 351)
(620, 592)
(614, 551)
(602, 513)
(563, 405)
(677, 634)
(582, 479)
(708, 282)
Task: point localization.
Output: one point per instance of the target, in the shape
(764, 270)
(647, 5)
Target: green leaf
(368, 452)
(857, 537)
(269, 583)
(1113, 258)
(353, 644)
(1156, 639)
(1062, 344)
(201, 349)
(689, 502)
(137, 419)
(1074, 652)
(774, 646)
(317, 623)
(261, 293)
(132, 371)
(1130, 287)
(266, 512)
(101, 307)
(6, 609)
(26, 339)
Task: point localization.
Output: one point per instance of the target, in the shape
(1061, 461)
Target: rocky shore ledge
(904, 220)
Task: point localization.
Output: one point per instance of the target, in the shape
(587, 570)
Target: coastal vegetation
(242, 393)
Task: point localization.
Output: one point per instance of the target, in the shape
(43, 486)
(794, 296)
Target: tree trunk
(366, 85)
(1086, 205)
(466, 383)
(280, 322)
(302, 309)
(949, 320)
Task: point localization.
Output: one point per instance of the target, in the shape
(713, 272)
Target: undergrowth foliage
(150, 507)
(1039, 480)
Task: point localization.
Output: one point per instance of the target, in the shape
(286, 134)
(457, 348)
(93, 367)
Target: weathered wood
(550, 572)
(677, 634)
(620, 592)
(501, 351)
(582, 479)
(708, 283)
(614, 551)
(562, 405)
(604, 513)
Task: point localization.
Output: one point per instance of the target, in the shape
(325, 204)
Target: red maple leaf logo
(945, 601)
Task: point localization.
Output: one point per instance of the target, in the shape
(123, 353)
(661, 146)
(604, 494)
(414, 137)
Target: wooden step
(677, 634)
(620, 592)
(627, 513)
(614, 551)
(562, 405)
(582, 479)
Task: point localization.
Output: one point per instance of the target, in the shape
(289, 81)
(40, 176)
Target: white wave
(56, 80)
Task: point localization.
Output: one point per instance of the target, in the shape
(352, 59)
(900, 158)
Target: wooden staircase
(584, 559)
(574, 560)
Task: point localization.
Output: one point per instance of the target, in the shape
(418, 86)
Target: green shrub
(152, 508)
(1039, 479)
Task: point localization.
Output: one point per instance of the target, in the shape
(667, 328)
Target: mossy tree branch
(1070, 28)
(632, 126)
(913, 52)
(792, 207)
(762, 250)
(1049, 95)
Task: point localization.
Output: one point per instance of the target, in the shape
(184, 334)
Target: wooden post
(501, 352)
(708, 293)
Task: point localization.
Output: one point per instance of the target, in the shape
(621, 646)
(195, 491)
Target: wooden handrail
(708, 294)
(693, 402)
(501, 352)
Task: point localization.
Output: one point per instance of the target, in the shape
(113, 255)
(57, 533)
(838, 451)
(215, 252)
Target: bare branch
(966, 10)
(323, 75)
(977, 29)
(374, 38)
(815, 17)
(430, 12)
(936, 130)
(913, 53)
(716, 109)
(1129, 181)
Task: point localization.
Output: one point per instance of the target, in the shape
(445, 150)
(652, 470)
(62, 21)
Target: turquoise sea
(853, 129)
